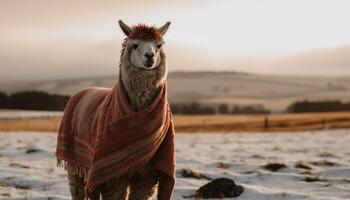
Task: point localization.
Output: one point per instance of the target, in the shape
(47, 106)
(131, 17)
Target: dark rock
(301, 165)
(313, 179)
(257, 156)
(22, 187)
(248, 172)
(324, 163)
(14, 185)
(188, 173)
(223, 165)
(19, 165)
(31, 150)
(326, 154)
(346, 180)
(274, 167)
(6, 194)
(219, 188)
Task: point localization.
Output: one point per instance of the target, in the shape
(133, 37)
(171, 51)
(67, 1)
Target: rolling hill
(272, 91)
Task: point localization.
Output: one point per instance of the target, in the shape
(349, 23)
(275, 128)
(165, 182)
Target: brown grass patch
(214, 123)
(35, 124)
(261, 123)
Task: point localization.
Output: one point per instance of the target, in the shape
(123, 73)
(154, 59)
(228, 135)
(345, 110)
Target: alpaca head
(144, 44)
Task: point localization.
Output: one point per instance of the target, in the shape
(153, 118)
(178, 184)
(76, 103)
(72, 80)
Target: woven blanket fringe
(73, 168)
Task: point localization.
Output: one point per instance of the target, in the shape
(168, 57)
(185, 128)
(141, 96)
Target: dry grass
(34, 124)
(214, 123)
(255, 123)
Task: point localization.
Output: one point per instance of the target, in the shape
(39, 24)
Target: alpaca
(143, 72)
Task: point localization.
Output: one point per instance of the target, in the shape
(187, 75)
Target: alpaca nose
(149, 56)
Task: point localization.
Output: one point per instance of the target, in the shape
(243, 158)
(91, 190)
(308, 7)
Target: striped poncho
(102, 137)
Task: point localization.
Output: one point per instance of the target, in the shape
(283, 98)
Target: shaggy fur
(141, 86)
(144, 32)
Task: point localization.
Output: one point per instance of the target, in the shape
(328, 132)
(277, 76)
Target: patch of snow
(33, 174)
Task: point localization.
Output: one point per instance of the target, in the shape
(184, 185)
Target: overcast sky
(41, 39)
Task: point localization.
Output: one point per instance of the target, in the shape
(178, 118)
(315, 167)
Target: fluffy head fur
(145, 32)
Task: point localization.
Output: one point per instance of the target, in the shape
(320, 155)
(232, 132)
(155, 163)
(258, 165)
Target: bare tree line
(37, 100)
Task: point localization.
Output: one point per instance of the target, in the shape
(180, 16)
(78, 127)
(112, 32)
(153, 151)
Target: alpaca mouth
(148, 64)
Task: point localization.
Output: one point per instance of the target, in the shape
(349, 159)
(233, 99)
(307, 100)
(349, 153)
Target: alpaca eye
(134, 46)
(159, 46)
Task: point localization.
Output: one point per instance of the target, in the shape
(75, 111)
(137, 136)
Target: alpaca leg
(116, 189)
(76, 186)
(143, 186)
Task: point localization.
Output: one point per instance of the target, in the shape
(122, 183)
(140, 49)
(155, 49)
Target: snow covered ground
(28, 166)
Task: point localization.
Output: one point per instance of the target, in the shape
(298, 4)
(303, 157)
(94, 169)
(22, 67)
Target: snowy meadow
(312, 165)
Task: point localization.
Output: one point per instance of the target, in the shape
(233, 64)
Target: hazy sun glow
(260, 27)
(205, 34)
(229, 27)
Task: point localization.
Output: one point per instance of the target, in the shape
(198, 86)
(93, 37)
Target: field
(315, 165)
(49, 121)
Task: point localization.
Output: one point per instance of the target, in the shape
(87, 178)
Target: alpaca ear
(125, 28)
(164, 28)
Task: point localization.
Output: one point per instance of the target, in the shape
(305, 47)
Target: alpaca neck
(142, 85)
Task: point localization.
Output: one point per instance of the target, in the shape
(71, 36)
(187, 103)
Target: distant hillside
(272, 91)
